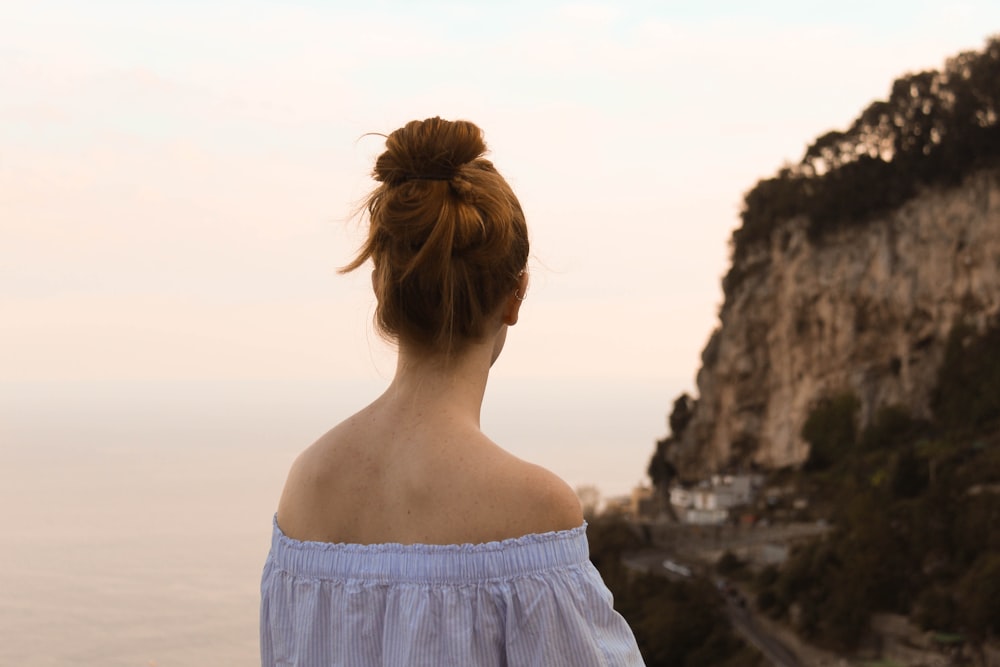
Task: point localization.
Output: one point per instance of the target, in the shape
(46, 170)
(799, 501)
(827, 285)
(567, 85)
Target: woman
(405, 536)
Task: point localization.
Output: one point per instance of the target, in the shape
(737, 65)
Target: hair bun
(445, 255)
(431, 149)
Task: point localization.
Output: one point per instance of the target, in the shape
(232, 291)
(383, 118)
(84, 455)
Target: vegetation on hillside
(676, 623)
(935, 128)
(916, 510)
(661, 472)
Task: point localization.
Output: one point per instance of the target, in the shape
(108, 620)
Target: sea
(139, 515)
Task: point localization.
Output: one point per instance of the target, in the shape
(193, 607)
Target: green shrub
(978, 593)
(891, 426)
(967, 395)
(729, 564)
(935, 609)
(831, 431)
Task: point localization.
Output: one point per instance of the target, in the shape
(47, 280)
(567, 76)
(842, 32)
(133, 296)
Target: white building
(710, 501)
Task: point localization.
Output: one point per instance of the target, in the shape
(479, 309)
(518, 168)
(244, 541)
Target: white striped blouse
(533, 600)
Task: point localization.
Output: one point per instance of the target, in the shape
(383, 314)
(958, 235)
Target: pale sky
(176, 178)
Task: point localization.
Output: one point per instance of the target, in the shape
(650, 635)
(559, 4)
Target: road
(772, 649)
(740, 615)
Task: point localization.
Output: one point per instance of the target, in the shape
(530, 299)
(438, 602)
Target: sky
(177, 181)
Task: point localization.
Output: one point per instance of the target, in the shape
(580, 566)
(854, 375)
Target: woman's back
(397, 474)
(408, 540)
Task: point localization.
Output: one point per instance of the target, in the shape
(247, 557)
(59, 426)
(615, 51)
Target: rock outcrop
(864, 309)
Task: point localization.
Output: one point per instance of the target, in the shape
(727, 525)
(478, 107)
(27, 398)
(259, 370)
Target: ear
(512, 306)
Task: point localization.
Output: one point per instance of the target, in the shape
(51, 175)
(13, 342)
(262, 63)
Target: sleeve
(565, 618)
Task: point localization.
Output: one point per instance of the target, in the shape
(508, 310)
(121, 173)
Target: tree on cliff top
(936, 127)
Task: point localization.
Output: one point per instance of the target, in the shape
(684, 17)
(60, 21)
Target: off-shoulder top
(533, 600)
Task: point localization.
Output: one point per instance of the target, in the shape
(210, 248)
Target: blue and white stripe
(534, 601)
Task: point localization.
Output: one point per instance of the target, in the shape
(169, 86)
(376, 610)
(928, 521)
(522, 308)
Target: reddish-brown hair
(447, 236)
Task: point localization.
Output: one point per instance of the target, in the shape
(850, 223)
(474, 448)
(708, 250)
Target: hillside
(857, 363)
(851, 269)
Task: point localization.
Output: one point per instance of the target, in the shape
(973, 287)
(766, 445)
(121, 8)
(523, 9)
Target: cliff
(849, 272)
(865, 310)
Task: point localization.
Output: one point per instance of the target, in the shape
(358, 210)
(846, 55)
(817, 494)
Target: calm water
(138, 521)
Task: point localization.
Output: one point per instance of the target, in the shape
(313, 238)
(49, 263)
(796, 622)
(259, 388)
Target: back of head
(447, 236)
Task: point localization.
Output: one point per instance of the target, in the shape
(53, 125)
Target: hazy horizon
(590, 432)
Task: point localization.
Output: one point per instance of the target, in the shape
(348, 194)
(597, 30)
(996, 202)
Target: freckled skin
(414, 466)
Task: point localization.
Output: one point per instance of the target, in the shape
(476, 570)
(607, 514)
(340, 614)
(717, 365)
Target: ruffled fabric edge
(397, 547)
(429, 563)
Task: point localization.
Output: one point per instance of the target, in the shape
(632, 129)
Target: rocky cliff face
(865, 310)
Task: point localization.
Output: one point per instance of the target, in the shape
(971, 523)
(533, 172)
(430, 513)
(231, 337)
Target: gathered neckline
(419, 547)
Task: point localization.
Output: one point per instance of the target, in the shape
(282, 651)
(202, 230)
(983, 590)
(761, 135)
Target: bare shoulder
(300, 485)
(544, 500)
(353, 485)
(312, 474)
(309, 466)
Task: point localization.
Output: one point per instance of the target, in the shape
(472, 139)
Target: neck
(451, 385)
